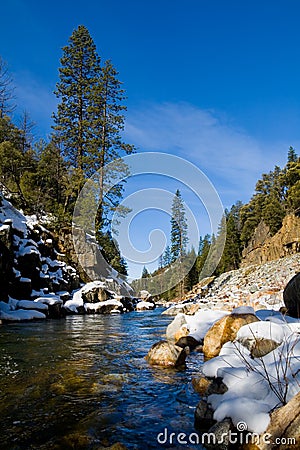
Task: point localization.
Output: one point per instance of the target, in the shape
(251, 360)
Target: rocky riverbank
(36, 281)
(250, 379)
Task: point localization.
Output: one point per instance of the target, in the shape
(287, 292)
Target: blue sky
(214, 82)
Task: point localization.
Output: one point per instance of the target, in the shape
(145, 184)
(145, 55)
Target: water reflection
(84, 382)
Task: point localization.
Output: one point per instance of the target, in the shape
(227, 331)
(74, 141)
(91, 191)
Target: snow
(29, 304)
(144, 305)
(19, 221)
(27, 250)
(98, 305)
(21, 314)
(250, 411)
(17, 273)
(243, 310)
(75, 302)
(256, 385)
(49, 300)
(4, 228)
(25, 280)
(5, 307)
(201, 322)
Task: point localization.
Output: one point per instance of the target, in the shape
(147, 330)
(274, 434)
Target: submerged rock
(166, 354)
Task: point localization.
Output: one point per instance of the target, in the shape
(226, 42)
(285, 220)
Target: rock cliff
(263, 247)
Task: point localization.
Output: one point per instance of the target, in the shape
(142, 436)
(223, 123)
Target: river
(83, 383)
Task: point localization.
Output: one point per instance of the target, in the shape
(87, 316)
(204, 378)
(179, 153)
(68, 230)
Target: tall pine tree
(179, 238)
(79, 75)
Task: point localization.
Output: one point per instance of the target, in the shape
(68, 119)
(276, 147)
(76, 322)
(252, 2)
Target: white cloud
(230, 157)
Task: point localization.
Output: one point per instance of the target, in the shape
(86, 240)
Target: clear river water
(84, 383)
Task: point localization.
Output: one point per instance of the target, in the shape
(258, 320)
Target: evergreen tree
(167, 257)
(145, 273)
(179, 237)
(79, 75)
(292, 155)
(108, 124)
(204, 246)
(231, 256)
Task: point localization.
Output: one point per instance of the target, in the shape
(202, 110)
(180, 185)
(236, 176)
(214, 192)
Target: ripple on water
(84, 382)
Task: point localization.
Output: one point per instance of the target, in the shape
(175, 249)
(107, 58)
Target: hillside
(258, 285)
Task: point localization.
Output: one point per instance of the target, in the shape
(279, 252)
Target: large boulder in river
(291, 296)
(166, 354)
(225, 330)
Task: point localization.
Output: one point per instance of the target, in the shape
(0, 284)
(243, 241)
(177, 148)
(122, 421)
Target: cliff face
(263, 248)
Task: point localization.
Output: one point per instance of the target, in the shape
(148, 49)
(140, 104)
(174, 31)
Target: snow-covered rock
(29, 304)
(145, 306)
(256, 385)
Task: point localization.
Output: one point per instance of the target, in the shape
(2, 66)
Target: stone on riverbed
(166, 354)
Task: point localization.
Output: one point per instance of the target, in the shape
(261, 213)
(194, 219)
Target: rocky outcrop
(263, 247)
(96, 298)
(291, 296)
(224, 330)
(166, 354)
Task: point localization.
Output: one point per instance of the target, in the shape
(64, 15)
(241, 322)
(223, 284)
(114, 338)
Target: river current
(84, 383)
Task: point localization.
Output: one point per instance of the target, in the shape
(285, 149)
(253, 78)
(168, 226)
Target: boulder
(128, 303)
(96, 294)
(224, 330)
(261, 338)
(145, 306)
(166, 354)
(284, 428)
(184, 308)
(106, 307)
(221, 432)
(203, 416)
(291, 296)
(145, 295)
(176, 326)
(187, 341)
(205, 386)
